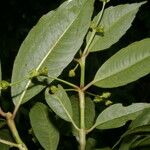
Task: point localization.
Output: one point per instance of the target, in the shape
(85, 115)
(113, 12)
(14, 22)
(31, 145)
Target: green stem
(82, 66)
(89, 93)
(85, 52)
(13, 129)
(19, 103)
(89, 130)
(11, 144)
(87, 86)
(63, 81)
(82, 131)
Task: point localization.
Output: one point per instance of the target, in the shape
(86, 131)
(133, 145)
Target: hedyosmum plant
(48, 49)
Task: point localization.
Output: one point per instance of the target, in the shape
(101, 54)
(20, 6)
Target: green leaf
(133, 136)
(143, 130)
(90, 144)
(52, 43)
(44, 129)
(144, 142)
(137, 126)
(142, 119)
(116, 21)
(125, 145)
(5, 135)
(89, 111)
(117, 115)
(127, 65)
(60, 103)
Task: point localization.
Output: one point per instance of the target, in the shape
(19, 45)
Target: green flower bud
(106, 95)
(72, 73)
(43, 71)
(97, 99)
(53, 89)
(108, 103)
(34, 73)
(93, 25)
(4, 85)
(100, 29)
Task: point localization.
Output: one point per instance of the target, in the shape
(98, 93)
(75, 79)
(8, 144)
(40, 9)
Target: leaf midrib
(113, 24)
(66, 111)
(120, 18)
(38, 67)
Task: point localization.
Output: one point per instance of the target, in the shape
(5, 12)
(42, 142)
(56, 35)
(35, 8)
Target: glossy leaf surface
(127, 65)
(52, 43)
(43, 127)
(116, 21)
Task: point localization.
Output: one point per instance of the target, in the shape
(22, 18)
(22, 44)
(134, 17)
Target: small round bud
(53, 89)
(72, 73)
(100, 29)
(108, 103)
(34, 73)
(43, 71)
(93, 25)
(106, 95)
(97, 99)
(4, 85)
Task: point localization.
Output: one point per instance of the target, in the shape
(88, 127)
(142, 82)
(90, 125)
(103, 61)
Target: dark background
(17, 17)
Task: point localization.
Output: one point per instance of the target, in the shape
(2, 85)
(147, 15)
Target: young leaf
(117, 115)
(116, 21)
(60, 103)
(52, 43)
(127, 65)
(43, 128)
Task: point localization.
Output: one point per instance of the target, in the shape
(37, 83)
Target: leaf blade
(43, 128)
(52, 46)
(116, 21)
(125, 66)
(60, 103)
(117, 115)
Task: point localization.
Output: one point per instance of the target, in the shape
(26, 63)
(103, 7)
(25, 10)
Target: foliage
(50, 103)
